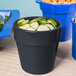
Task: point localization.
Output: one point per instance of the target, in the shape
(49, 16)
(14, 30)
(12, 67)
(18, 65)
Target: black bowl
(37, 49)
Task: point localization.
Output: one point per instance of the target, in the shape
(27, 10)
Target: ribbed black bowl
(37, 49)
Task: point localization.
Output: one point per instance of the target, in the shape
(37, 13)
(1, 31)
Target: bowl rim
(37, 31)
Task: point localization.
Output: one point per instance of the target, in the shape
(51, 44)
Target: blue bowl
(6, 30)
(73, 38)
(63, 13)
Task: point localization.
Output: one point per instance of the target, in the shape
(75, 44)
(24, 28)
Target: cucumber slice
(2, 22)
(49, 26)
(7, 18)
(22, 22)
(42, 22)
(34, 25)
(52, 22)
(42, 19)
(34, 20)
(24, 26)
(43, 28)
(30, 28)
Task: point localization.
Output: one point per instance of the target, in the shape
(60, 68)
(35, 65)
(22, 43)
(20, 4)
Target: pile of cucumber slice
(3, 22)
(38, 24)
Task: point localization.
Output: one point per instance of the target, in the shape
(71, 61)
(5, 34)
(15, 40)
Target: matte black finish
(37, 49)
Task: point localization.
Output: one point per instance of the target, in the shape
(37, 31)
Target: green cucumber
(52, 22)
(42, 19)
(42, 22)
(24, 26)
(43, 28)
(2, 22)
(34, 25)
(22, 22)
(30, 28)
(34, 20)
(49, 26)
